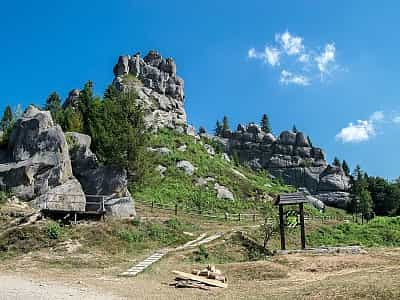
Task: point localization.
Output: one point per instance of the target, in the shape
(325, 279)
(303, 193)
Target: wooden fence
(235, 217)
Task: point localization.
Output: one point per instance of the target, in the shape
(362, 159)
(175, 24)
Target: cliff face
(292, 158)
(160, 90)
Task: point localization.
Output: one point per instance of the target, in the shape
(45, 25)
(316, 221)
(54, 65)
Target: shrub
(53, 231)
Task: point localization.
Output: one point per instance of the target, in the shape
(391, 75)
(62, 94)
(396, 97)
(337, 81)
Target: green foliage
(346, 168)
(336, 162)
(3, 197)
(201, 255)
(265, 124)
(168, 233)
(53, 230)
(218, 128)
(6, 125)
(53, 104)
(177, 187)
(382, 231)
(73, 120)
(225, 124)
(120, 136)
(202, 130)
(294, 129)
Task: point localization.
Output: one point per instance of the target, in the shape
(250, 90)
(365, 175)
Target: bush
(202, 254)
(53, 231)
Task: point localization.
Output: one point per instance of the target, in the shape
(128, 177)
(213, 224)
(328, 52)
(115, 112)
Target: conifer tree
(265, 124)
(294, 129)
(7, 119)
(225, 124)
(53, 104)
(336, 162)
(345, 168)
(218, 128)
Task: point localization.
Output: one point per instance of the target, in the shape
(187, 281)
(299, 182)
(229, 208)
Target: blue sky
(351, 75)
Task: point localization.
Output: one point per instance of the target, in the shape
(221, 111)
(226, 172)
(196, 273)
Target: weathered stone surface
(210, 150)
(290, 157)
(37, 157)
(186, 166)
(96, 180)
(120, 207)
(160, 91)
(72, 99)
(225, 157)
(66, 197)
(223, 192)
(161, 170)
(335, 199)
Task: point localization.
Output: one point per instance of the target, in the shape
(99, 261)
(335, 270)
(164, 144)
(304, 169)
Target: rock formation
(37, 165)
(159, 89)
(98, 180)
(290, 157)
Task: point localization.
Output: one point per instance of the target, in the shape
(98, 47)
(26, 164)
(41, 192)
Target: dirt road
(13, 287)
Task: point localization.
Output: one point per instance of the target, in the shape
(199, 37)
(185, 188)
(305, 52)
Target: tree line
(115, 123)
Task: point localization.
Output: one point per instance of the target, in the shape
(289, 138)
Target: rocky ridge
(290, 157)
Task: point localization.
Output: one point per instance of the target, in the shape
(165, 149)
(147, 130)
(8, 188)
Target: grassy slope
(176, 186)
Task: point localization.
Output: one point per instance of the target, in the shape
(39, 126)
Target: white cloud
(305, 64)
(291, 44)
(396, 119)
(377, 116)
(252, 53)
(304, 58)
(355, 133)
(290, 78)
(272, 56)
(326, 58)
(269, 56)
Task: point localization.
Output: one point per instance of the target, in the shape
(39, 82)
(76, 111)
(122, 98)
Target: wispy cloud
(290, 78)
(292, 56)
(326, 59)
(270, 55)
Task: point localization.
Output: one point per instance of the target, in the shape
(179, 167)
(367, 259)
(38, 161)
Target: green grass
(114, 240)
(177, 187)
(379, 232)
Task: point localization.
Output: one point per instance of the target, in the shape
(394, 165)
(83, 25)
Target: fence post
(239, 217)
(254, 217)
(176, 209)
(152, 205)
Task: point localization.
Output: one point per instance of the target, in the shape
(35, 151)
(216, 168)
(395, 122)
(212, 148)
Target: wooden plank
(303, 234)
(281, 227)
(188, 276)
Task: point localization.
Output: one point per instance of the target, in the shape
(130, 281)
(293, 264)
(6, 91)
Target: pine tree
(218, 128)
(336, 162)
(294, 129)
(53, 104)
(265, 124)
(309, 141)
(7, 119)
(346, 168)
(225, 124)
(120, 136)
(111, 92)
(202, 130)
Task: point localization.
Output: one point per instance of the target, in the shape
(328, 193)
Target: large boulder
(98, 181)
(37, 160)
(186, 167)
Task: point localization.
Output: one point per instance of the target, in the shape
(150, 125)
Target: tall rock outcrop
(37, 166)
(160, 90)
(292, 158)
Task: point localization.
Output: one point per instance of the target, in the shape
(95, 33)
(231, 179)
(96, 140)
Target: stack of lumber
(201, 279)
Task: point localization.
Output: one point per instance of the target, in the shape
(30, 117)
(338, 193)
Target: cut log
(188, 276)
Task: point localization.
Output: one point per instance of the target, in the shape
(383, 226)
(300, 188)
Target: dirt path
(13, 287)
